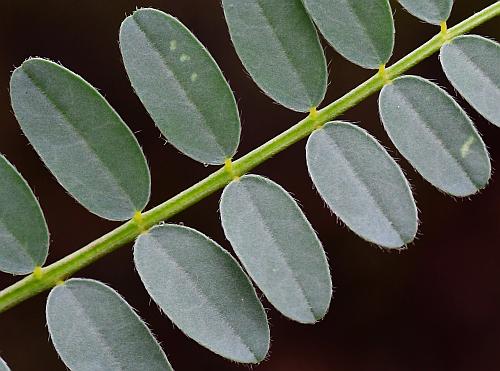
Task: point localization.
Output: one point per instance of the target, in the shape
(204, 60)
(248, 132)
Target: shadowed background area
(434, 306)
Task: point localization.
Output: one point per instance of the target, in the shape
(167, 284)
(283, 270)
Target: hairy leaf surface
(278, 45)
(203, 290)
(277, 246)
(361, 31)
(472, 64)
(93, 328)
(430, 11)
(435, 135)
(180, 85)
(3, 365)
(362, 184)
(24, 237)
(81, 139)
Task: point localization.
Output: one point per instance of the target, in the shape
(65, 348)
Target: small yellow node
(38, 272)
(313, 112)
(228, 166)
(444, 27)
(139, 221)
(59, 282)
(444, 31)
(383, 73)
(138, 217)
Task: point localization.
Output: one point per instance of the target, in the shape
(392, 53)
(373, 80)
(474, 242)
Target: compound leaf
(203, 290)
(93, 328)
(3, 365)
(361, 31)
(180, 85)
(430, 11)
(277, 247)
(435, 135)
(24, 237)
(81, 139)
(278, 45)
(472, 65)
(362, 184)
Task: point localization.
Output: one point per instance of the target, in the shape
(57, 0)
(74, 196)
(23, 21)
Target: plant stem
(53, 274)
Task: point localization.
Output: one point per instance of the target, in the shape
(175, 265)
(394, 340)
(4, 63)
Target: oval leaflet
(180, 85)
(435, 135)
(277, 246)
(472, 65)
(361, 31)
(278, 45)
(24, 237)
(81, 139)
(362, 184)
(93, 328)
(430, 11)
(203, 290)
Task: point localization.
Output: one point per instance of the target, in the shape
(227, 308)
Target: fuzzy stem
(45, 278)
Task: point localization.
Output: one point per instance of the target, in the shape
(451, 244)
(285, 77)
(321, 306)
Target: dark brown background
(435, 306)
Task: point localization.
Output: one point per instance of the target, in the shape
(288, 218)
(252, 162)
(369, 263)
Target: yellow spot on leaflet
(194, 76)
(173, 45)
(465, 149)
(38, 272)
(228, 166)
(59, 283)
(184, 58)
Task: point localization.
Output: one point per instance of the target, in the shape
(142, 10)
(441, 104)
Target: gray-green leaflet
(180, 85)
(94, 329)
(435, 135)
(362, 184)
(276, 243)
(278, 45)
(81, 139)
(431, 11)
(471, 63)
(203, 290)
(361, 31)
(24, 237)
